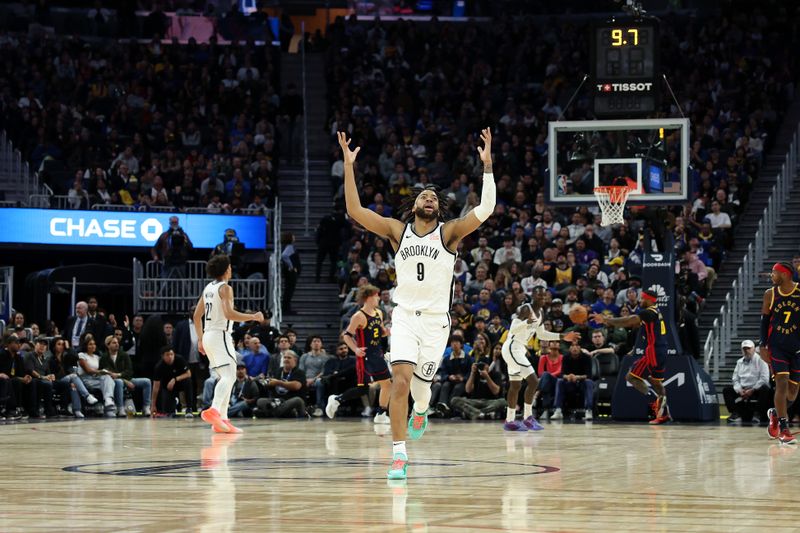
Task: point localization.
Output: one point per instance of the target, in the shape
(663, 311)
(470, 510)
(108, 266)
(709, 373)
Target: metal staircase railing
(731, 313)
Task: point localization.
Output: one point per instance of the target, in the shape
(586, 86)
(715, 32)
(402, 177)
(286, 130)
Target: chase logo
(66, 227)
(151, 229)
(110, 228)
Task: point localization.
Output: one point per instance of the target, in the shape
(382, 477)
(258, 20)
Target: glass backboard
(650, 156)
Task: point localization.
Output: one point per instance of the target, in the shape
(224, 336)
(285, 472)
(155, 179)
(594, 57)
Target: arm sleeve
(488, 198)
(517, 327)
(764, 330)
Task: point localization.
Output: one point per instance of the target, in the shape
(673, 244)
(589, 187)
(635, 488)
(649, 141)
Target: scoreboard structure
(625, 68)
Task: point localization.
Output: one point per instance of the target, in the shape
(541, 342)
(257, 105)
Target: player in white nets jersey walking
(216, 314)
(424, 262)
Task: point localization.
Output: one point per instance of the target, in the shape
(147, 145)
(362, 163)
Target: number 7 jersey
(424, 269)
(213, 318)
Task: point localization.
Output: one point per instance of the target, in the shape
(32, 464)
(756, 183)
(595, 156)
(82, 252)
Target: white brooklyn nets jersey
(424, 271)
(521, 331)
(214, 319)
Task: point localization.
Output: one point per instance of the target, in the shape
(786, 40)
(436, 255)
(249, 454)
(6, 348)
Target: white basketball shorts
(519, 367)
(219, 348)
(419, 338)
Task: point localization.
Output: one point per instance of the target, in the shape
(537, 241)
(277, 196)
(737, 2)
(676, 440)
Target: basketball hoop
(612, 203)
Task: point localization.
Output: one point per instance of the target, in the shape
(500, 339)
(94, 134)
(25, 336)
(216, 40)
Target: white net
(612, 204)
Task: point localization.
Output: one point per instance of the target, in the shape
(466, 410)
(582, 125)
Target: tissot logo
(624, 87)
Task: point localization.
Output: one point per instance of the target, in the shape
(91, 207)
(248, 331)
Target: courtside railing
(14, 172)
(275, 275)
(155, 290)
(731, 313)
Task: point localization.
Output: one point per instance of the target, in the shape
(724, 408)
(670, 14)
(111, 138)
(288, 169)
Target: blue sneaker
(417, 424)
(531, 424)
(398, 468)
(514, 426)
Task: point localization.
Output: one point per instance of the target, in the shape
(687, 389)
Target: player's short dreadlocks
(407, 206)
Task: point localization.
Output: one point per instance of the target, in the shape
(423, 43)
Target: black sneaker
(14, 414)
(733, 418)
(443, 408)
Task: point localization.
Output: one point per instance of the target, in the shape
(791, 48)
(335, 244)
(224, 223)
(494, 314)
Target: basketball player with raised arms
(527, 323)
(779, 344)
(216, 314)
(653, 362)
(424, 261)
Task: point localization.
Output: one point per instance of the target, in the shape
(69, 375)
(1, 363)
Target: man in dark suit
(102, 328)
(79, 324)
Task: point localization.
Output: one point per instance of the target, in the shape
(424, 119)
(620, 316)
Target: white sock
(511, 414)
(527, 410)
(399, 447)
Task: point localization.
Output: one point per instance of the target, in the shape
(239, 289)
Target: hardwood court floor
(175, 475)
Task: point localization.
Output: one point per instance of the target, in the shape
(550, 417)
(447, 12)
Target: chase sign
(124, 229)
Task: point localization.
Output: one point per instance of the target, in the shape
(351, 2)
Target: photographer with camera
(484, 393)
(286, 388)
(231, 247)
(173, 248)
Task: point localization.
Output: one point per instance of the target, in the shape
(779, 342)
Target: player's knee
(514, 385)
(532, 380)
(400, 384)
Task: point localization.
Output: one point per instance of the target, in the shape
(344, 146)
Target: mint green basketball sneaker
(399, 466)
(417, 424)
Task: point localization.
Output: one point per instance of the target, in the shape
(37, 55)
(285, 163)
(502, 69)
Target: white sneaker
(381, 418)
(121, 412)
(130, 407)
(317, 412)
(69, 408)
(91, 400)
(332, 407)
(147, 411)
(557, 414)
(78, 414)
(367, 412)
(588, 416)
(109, 403)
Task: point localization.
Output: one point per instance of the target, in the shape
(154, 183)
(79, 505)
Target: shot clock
(625, 68)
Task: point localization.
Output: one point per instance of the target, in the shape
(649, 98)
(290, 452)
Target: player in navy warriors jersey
(424, 263)
(780, 343)
(651, 365)
(363, 336)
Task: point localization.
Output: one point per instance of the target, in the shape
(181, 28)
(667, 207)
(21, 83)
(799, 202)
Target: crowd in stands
(148, 125)
(412, 96)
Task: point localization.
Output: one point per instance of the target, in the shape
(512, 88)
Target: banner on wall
(61, 227)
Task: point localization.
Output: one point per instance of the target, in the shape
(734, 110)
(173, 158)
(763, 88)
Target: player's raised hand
(572, 336)
(486, 151)
(344, 142)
